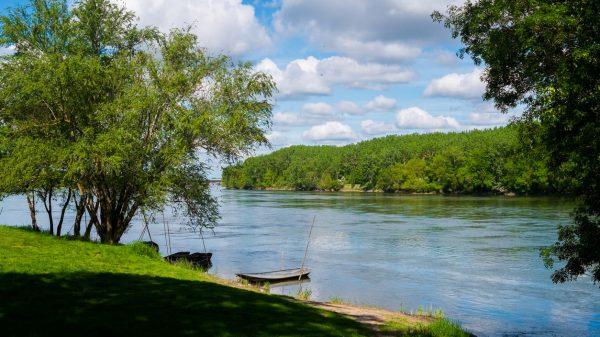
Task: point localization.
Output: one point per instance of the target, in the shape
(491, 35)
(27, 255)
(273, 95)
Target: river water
(476, 258)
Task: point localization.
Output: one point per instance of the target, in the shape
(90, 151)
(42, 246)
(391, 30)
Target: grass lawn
(61, 287)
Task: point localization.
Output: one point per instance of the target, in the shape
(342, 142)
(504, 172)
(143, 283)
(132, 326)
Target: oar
(306, 250)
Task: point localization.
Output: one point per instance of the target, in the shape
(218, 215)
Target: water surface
(477, 258)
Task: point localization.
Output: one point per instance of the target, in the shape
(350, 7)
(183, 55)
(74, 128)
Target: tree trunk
(80, 211)
(88, 230)
(62, 212)
(31, 203)
(47, 194)
(114, 222)
(92, 208)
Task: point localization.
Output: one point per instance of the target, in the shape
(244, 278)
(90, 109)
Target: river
(476, 258)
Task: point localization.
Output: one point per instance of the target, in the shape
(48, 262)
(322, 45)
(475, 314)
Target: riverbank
(348, 188)
(52, 286)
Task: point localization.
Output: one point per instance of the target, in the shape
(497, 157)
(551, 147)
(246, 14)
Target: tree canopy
(489, 161)
(545, 56)
(117, 116)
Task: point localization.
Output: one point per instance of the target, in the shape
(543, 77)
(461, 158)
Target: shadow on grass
(104, 304)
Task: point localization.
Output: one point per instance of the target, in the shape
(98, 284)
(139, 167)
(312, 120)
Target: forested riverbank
(491, 161)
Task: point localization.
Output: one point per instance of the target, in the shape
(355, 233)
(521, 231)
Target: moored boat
(276, 275)
(196, 259)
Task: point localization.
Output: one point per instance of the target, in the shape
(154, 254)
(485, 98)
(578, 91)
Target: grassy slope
(52, 286)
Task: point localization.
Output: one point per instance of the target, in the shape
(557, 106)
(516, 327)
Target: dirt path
(373, 318)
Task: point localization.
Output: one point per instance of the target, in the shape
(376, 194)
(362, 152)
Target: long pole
(202, 236)
(168, 232)
(306, 250)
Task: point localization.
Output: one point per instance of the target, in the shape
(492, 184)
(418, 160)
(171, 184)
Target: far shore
(357, 189)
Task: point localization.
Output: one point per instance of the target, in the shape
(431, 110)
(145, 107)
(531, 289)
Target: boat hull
(276, 275)
(197, 259)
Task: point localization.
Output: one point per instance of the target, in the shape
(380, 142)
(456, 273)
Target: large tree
(545, 56)
(125, 112)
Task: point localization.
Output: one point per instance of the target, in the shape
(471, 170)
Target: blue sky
(347, 70)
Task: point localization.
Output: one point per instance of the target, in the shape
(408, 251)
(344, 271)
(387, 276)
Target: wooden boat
(177, 256)
(197, 259)
(200, 258)
(284, 274)
(276, 275)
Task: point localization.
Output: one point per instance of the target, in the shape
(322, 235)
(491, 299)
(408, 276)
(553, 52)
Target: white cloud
(312, 76)
(349, 72)
(371, 127)
(381, 103)
(467, 85)
(487, 118)
(318, 109)
(349, 107)
(290, 119)
(376, 50)
(330, 131)
(384, 30)
(417, 118)
(221, 25)
(310, 114)
(300, 77)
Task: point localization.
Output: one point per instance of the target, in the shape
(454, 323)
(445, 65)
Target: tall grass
(438, 328)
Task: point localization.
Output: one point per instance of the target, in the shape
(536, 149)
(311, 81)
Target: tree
(129, 109)
(545, 56)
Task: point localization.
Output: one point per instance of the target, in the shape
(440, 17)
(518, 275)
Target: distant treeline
(490, 161)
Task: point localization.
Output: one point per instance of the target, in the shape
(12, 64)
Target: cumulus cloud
(290, 119)
(467, 85)
(417, 118)
(330, 131)
(381, 103)
(371, 127)
(300, 77)
(376, 50)
(221, 25)
(312, 76)
(387, 30)
(349, 72)
(309, 114)
(318, 109)
(349, 108)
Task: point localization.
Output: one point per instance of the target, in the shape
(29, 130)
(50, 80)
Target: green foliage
(490, 161)
(545, 56)
(118, 115)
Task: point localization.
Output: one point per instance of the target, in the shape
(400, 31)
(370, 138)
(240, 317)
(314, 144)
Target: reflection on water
(477, 258)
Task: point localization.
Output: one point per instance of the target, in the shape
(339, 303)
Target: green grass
(438, 328)
(337, 300)
(304, 294)
(61, 287)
